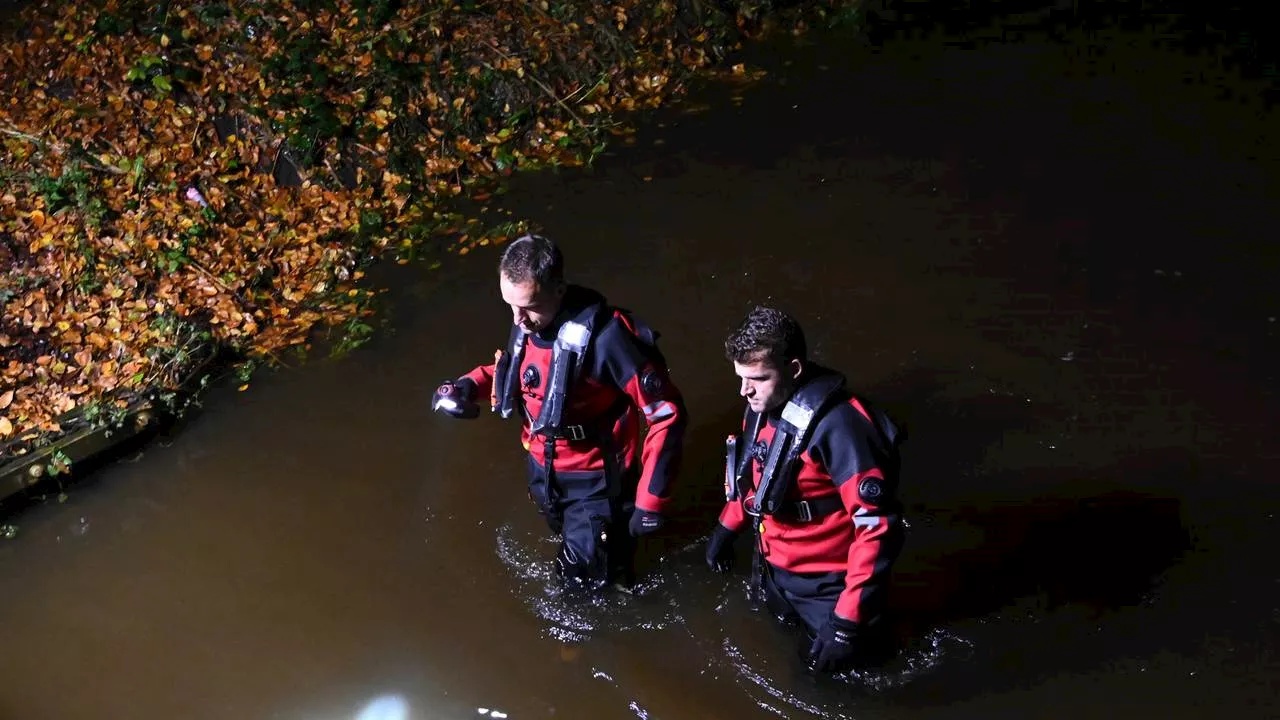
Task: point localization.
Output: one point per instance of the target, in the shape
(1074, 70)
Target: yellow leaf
(6, 427)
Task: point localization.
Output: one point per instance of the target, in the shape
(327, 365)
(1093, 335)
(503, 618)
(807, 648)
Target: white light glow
(386, 707)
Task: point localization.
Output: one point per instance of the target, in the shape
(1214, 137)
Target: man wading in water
(814, 476)
(586, 379)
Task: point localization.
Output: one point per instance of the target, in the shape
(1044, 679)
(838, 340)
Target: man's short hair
(766, 333)
(533, 257)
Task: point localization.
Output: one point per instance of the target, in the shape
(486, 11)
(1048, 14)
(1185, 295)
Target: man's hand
(456, 400)
(720, 549)
(836, 646)
(644, 522)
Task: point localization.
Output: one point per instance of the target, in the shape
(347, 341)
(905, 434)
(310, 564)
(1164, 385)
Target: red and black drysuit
(592, 465)
(835, 525)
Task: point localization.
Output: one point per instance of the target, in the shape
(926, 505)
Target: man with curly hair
(813, 476)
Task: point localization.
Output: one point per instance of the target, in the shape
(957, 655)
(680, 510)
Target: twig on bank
(545, 88)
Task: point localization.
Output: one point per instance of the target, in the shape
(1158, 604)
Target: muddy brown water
(1051, 258)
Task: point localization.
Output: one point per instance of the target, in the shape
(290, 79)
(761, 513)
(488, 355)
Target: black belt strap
(574, 433)
(810, 510)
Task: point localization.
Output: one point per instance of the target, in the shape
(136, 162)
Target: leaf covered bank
(183, 178)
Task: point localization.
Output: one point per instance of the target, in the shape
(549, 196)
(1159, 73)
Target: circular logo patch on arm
(871, 490)
(651, 383)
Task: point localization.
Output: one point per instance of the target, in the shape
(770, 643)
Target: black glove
(644, 522)
(835, 647)
(720, 549)
(456, 399)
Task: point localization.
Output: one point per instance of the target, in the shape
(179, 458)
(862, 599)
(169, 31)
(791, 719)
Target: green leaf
(162, 83)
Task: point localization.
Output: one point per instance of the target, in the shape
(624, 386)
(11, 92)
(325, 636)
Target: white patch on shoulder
(573, 334)
(796, 415)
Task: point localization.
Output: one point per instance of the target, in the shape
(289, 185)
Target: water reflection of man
(587, 379)
(814, 476)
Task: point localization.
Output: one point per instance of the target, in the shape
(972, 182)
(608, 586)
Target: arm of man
(845, 444)
(638, 371)
(481, 381)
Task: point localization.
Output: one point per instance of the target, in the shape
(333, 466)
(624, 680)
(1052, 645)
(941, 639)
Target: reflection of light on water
(572, 616)
(735, 657)
(937, 645)
(386, 707)
(927, 654)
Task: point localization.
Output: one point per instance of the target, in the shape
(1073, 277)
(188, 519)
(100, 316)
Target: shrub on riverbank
(183, 177)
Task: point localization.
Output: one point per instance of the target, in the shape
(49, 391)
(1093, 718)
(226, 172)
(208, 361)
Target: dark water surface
(1052, 257)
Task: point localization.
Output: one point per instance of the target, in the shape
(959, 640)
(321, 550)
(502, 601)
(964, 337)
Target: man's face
(765, 386)
(532, 307)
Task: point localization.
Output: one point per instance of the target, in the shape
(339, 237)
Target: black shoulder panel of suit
(616, 354)
(845, 443)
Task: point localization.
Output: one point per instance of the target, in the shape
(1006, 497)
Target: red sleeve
(846, 445)
(639, 371)
(733, 516)
(482, 377)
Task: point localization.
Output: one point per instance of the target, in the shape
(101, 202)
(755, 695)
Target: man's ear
(795, 367)
(561, 287)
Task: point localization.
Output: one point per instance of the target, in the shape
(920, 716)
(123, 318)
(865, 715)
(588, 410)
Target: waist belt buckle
(803, 511)
(574, 432)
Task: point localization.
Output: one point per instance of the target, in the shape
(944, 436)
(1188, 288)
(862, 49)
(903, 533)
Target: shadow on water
(1010, 563)
(1039, 579)
(981, 540)
(1102, 552)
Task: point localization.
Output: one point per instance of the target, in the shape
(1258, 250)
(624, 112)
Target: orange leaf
(6, 399)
